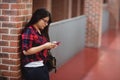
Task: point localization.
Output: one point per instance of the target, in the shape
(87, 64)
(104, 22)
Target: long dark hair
(36, 16)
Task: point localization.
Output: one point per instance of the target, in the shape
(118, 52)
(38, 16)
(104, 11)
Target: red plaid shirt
(31, 38)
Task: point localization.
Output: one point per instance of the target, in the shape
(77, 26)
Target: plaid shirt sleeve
(27, 39)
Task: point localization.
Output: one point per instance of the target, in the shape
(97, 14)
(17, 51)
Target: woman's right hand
(50, 45)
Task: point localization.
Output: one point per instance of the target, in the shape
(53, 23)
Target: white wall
(105, 19)
(71, 34)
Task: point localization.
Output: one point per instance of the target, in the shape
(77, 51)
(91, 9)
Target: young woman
(35, 45)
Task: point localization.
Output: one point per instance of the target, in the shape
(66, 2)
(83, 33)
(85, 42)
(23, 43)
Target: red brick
(0, 22)
(11, 1)
(15, 56)
(28, 5)
(4, 6)
(4, 67)
(19, 25)
(17, 18)
(10, 50)
(0, 50)
(12, 25)
(15, 31)
(10, 12)
(3, 30)
(7, 24)
(10, 62)
(28, 17)
(14, 68)
(4, 55)
(16, 78)
(10, 37)
(4, 43)
(17, 6)
(24, 12)
(14, 44)
(4, 18)
(27, 1)
(10, 74)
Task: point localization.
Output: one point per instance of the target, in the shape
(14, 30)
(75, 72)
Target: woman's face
(42, 23)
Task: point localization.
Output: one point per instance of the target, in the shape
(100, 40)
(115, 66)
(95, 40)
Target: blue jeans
(39, 73)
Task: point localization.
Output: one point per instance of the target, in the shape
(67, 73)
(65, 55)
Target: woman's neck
(38, 30)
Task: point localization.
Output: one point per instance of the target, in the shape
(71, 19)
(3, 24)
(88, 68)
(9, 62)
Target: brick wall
(93, 11)
(13, 15)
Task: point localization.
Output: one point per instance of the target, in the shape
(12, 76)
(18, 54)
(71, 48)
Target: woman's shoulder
(27, 30)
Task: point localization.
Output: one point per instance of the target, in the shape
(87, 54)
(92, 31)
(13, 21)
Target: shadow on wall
(71, 34)
(3, 78)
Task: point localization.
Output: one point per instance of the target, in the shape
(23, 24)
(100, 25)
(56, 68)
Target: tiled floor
(94, 64)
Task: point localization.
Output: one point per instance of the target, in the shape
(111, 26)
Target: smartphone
(57, 43)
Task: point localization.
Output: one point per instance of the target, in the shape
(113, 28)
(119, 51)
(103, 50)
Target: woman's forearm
(36, 49)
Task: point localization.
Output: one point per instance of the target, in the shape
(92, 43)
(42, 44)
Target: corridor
(93, 63)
